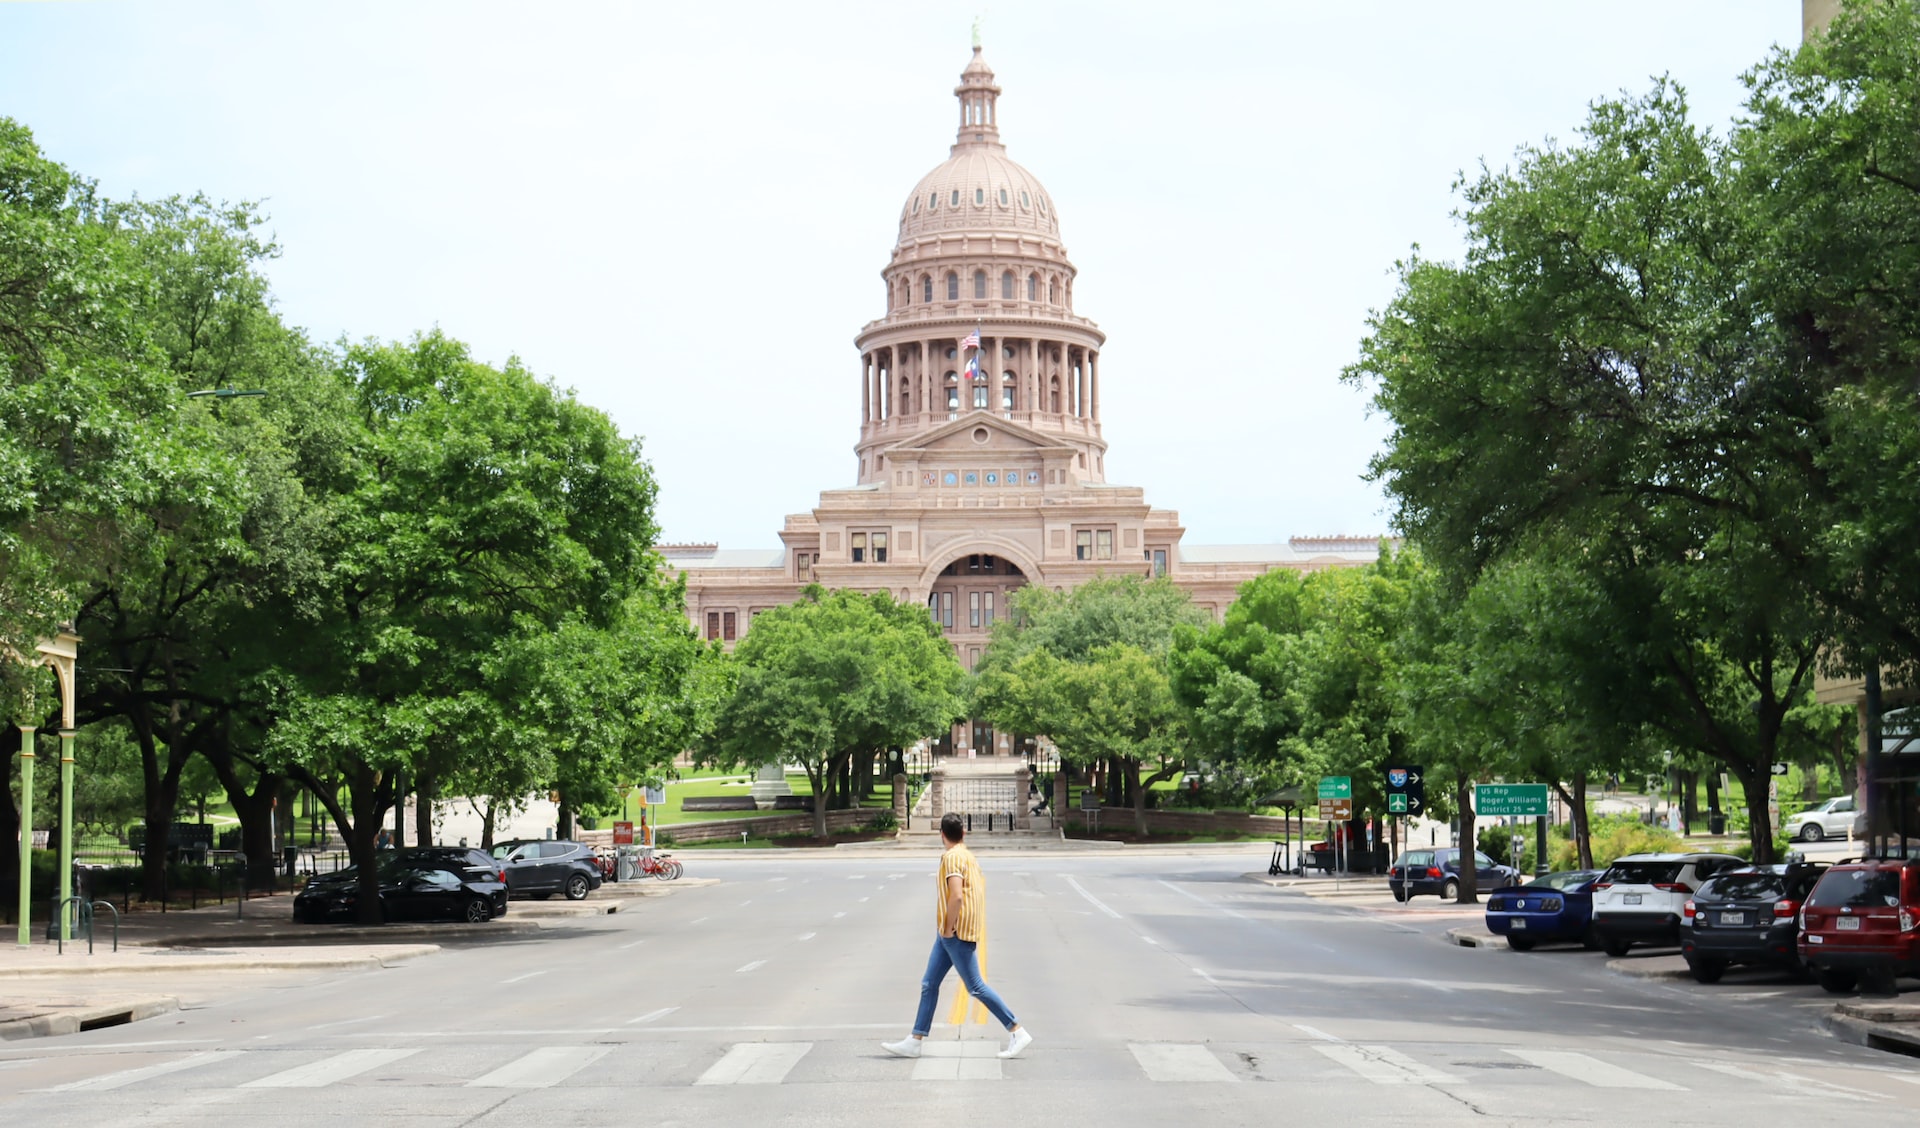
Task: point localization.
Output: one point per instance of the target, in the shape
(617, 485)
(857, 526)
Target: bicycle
(661, 866)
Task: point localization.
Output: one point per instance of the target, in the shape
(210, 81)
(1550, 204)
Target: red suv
(1862, 922)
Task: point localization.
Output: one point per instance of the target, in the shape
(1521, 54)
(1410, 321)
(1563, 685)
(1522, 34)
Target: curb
(401, 953)
(1643, 969)
(1469, 938)
(343, 934)
(90, 1018)
(1897, 1038)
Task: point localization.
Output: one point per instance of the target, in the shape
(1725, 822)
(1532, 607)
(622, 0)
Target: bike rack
(84, 917)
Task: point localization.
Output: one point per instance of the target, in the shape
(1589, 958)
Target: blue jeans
(949, 954)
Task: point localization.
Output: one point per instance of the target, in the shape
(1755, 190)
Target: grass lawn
(709, 784)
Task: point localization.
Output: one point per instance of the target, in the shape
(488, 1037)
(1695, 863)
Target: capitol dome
(978, 187)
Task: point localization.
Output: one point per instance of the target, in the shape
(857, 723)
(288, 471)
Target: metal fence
(986, 804)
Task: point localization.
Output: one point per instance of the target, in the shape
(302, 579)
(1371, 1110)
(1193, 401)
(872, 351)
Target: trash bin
(1716, 822)
(290, 859)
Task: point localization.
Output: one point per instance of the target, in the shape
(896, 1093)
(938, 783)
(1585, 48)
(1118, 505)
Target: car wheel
(1615, 948)
(1590, 940)
(1834, 981)
(1706, 969)
(1879, 981)
(1520, 943)
(1400, 895)
(577, 887)
(479, 910)
(1811, 832)
(1450, 891)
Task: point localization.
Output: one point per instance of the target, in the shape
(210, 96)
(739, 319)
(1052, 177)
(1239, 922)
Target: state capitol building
(982, 467)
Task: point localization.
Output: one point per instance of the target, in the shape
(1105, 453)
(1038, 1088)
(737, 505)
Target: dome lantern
(979, 106)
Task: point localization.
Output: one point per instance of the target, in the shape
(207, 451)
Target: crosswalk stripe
(326, 1071)
(1793, 1082)
(972, 1060)
(129, 1076)
(1164, 1061)
(1593, 1071)
(544, 1067)
(1383, 1065)
(755, 1063)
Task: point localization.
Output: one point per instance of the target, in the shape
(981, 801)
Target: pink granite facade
(980, 461)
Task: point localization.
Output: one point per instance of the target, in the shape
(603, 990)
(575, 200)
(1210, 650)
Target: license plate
(1630, 898)
(1733, 918)
(1517, 925)
(1847, 924)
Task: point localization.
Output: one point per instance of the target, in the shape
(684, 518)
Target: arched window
(926, 284)
(1053, 395)
(956, 197)
(953, 392)
(904, 404)
(1033, 287)
(1007, 382)
(980, 396)
(1006, 286)
(933, 201)
(953, 286)
(1003, 197)
(980, 285)
(979, 196)
(1053, 291)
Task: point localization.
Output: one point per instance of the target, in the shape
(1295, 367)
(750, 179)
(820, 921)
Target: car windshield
(1643, 873)
(1567, 880)
(1857, 889)
(1744, 887)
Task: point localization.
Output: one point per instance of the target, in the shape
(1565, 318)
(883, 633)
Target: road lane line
(1316, 1032)
(1091, 899)
(691, 923)
(754, 966)
(541, 1069)
(523, 978)
(755, 1063)
(837, 916)
(1164, 1061)
(348, 1022)
(651, 1015)
(1210, 904)
(1593, 1071)
(806, 936)
(1202, 974)
(630, 944)
(129, 1076)
(1793, 1082)
(326, 1071)
(973, 1060)
(1148, 939)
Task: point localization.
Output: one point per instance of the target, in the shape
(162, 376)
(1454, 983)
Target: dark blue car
(1554, 906)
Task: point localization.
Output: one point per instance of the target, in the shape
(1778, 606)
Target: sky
(681, 211)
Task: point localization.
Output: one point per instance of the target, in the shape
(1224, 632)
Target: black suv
(540, 868)
(1749, 915)
(426, 881)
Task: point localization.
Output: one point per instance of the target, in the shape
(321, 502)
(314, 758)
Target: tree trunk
(563, 818)
(486, 827)
(1467, 871)
(1759, 823)
(1582, 826)
(1139, 797)
(399, 781)
(1713, 791)
(423, 811)
(1689, 801)
(818, 774)
(359, 834)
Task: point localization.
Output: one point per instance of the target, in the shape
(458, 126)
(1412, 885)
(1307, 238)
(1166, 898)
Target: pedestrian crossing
(1326, 1060)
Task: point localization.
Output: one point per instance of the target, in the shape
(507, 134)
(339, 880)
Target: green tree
(836, 674)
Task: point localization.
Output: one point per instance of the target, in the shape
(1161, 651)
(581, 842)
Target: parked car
(413, 884)
(1639, 900)
(1553, 906)
(1862, 924)
(540, 868)
(1748, 915)
(1831, 819)
(1437, 871)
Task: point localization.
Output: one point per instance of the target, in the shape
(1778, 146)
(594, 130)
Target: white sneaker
(1019, 1041)
(905, 1047)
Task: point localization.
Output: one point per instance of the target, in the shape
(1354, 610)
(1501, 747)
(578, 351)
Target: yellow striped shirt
(973, 895)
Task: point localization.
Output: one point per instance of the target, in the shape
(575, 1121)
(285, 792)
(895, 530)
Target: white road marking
(755, 1063)
(805, 936)
(1793, 1082)
(897, 876)
(775, 1029)
(1201, 972)
(651, 1015)
(743, 904)
(1091, 899)
(837, 916)
(1593, 1071)
(348, 1022)
(541, 1069)
(523, 978)
(630, 944)
(863, 900)
(1150, 940)
(1385, 1066)
(1210, 904)
(95, 1047)
(754, 966)
(691, 923)
(972, 1060)
(129, 1076)
(857, 877)
(339, 1067)
(1316, 1032)
(1179, 1062)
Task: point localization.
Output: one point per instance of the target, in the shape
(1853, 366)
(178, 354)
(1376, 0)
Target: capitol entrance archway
(967, 598)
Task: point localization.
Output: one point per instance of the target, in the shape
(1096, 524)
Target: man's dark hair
(952, 827)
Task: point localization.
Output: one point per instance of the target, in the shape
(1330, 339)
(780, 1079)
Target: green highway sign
(1397, 804)
(1336, 787)
(1510, 799)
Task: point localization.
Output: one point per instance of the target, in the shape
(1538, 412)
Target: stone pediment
(978, 432)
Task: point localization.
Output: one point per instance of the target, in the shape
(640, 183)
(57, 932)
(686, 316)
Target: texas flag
(973, 367)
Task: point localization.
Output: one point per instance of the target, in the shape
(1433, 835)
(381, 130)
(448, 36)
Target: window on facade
(956, 197)
(1159, 562)
(713, 624)
(729, 623)
(986, 609)
(1006, 398)
(916, 205)
(980, 285)
(980, 396)
(1023, 200)
(926, 284)
(1103, 544)
(1003, 197)
(933, 201)
(953, 286)
(946, 609)
(1033, 288)
(1083, 544)
(859, 541)
(1006, 286)
(879, 548)
(953, 399)
(1051, 291)
(973, 610)
(979, 195)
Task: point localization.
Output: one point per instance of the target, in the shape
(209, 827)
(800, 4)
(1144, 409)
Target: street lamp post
(58, 652)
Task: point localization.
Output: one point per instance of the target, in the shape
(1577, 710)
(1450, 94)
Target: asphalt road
(1161, 990)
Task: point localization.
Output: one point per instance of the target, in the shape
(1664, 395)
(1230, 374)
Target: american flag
(973, 339)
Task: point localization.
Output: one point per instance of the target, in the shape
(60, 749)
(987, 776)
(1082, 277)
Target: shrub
(883, 821)
(662, 839)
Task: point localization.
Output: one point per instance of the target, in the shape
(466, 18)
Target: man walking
(960, 920)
